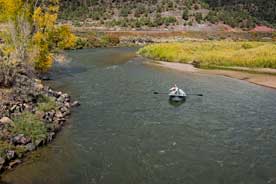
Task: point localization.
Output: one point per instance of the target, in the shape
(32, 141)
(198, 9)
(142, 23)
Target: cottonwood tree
(33, 35)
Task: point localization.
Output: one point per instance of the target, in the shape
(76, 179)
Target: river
(124, 134)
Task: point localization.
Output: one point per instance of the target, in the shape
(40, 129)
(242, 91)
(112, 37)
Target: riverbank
(258, 77)
(31, 114)
(96, 38)
(210, 54)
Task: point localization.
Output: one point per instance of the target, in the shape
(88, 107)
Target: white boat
(176, 94)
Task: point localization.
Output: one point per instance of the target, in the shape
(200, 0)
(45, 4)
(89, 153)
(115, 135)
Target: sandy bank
(266, 80)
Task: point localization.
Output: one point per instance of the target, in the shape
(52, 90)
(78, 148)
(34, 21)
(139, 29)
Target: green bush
(247, 46)
(198, 17)
(46, 104)
(169, 20)
(29, 125)
(7, 74)
(139, 10)
(109, 40)
(5, 146)
(185, 14)
(124, 12)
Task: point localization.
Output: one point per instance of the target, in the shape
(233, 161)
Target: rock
(75, 104)
(27, 107)
(17, 108)
(15, 140)
(50, 136)
(38, 86)
(13, 108)
(66, 104)
(39, 142)
(30, 147)
(6, 120)
(38, 81)
(2, 161)
(59, 93)
(14, 163)
(65, 95)
(46, 77)
(59, 114)
(10, 154)
(20, 139)
(65, 111)
(49, 116)
(63, 98)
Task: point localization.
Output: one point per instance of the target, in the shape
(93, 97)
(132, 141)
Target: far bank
(251, 61)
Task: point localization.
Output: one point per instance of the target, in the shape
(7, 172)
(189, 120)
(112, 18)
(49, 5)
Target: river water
(124, 134)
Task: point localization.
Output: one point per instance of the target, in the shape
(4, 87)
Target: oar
(196, 94)
(159, 93)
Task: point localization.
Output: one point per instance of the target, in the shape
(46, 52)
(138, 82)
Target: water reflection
(176, 103)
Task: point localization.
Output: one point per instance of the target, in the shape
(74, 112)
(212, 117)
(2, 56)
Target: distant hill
(245, 14)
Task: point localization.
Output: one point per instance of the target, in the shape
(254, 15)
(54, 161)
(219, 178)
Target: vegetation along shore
(251, 61)
(201, 33)
(215, 53)
(31, 113)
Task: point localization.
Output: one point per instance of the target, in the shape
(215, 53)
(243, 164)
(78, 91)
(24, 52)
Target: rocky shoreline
(31, 115)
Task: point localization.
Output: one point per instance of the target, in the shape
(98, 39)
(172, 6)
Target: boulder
(30, 147)
(14, 163)
(2, 161)
(38, 86)
(75, 104)
(59, 114)
(10, 154)
(66, 104)
(49, 116)
(20, 139)
(6, 120)
(39, 142)
(50, 136)
(27, 107)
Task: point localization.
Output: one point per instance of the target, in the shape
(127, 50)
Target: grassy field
(215, 53)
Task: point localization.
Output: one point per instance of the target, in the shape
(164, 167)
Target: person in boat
(176, 91)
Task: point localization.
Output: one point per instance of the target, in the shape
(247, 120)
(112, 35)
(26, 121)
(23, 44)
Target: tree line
(262, 10)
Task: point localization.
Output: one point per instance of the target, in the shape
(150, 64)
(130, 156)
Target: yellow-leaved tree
(34, 35)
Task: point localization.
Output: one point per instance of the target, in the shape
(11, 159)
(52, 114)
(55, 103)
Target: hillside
(245, 14)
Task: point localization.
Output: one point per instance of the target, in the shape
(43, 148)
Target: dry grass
(215, 53)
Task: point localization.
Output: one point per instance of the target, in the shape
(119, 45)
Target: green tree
(198, 17)
(185, 14)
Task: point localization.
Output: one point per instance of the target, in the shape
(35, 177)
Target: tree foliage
(262, 10)
(35, 31)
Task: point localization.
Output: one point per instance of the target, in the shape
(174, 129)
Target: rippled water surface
(124, 134)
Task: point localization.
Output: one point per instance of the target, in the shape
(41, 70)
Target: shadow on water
(176, 103)
(66, 70)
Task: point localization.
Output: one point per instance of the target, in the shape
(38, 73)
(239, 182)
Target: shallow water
(122, 133)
